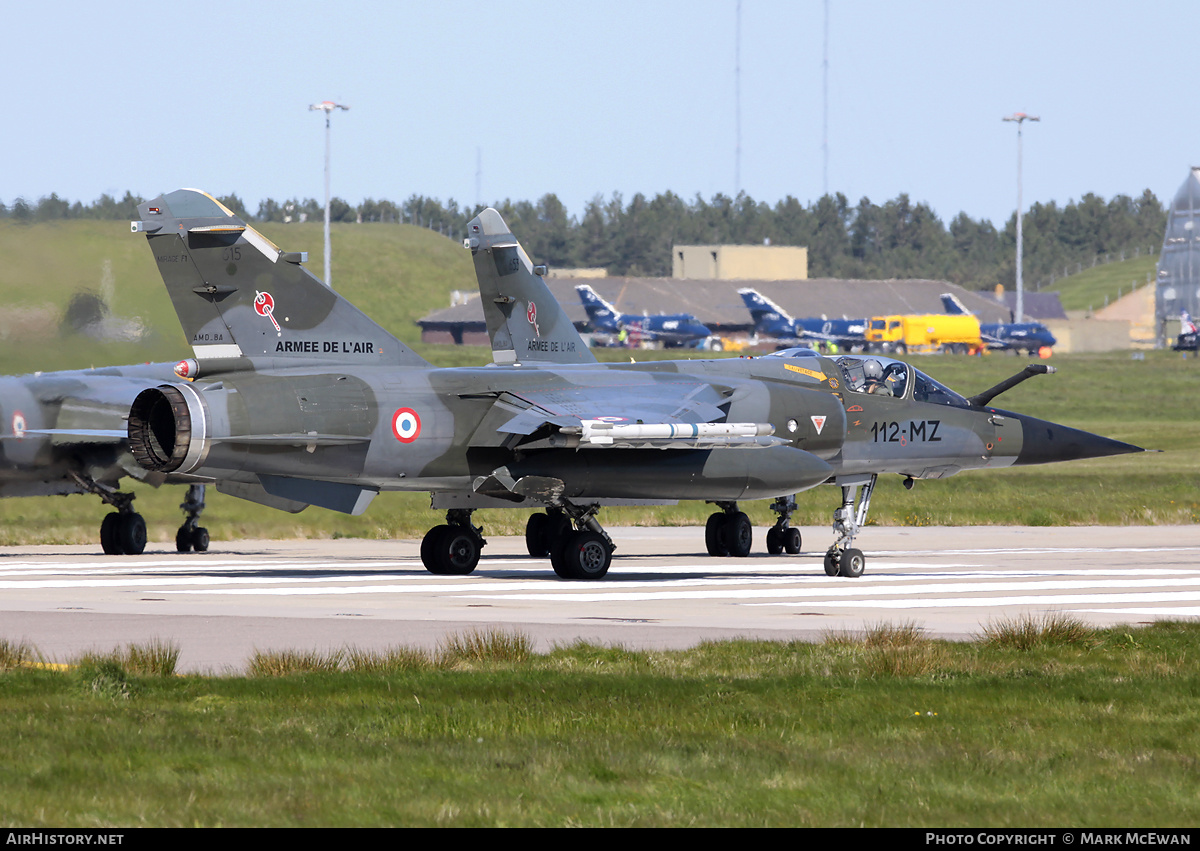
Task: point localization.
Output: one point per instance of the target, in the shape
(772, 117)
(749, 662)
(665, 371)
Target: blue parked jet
(773, 321)
(1005, 336)
(674, 329)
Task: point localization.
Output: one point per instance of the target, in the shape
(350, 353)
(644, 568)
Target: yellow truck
(930, 332)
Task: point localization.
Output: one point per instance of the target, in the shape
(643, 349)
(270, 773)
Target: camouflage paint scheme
(65, 433)
(298, 398)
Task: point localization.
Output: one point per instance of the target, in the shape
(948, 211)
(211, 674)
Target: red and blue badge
(406, 425)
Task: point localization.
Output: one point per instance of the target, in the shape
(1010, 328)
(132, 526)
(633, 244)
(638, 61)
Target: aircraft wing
(656, 415)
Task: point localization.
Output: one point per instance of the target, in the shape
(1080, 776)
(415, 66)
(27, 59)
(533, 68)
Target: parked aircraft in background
(675, 329)
(1005, 336)
(65, 432)
(771, 320)
(300, 397)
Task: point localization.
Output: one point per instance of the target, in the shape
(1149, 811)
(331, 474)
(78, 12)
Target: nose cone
(1045, 442)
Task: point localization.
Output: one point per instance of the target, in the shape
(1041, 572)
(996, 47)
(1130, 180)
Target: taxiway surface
(663, 591)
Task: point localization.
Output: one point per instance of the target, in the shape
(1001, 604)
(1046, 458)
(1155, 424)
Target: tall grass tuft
(1028, 632)
(104, 676)
(893, 635)
(16, 654)
(391, 660)
(283, 663)
(883, 634)
(490, 645)
(155, 658)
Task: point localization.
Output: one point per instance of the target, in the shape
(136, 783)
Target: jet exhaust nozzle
(167, 429)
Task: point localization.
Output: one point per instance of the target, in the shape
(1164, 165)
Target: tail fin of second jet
(238, 295)
(603, 316)
(954, 306)
(524, 321)
(761, 308)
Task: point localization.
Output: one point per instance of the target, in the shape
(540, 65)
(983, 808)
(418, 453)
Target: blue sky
(581, 99)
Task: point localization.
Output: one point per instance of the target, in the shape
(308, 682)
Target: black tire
(901, 349)
(832, 568)
(108, 534)
(852, 563)
(714, 539)
(459, 550)
(585, 555)
(557, 557)
(429, 548)
(131, 534)
(738, 534)
(183, 540)
(774, 540)
(535, 535)
(792, 540)
(200, 540)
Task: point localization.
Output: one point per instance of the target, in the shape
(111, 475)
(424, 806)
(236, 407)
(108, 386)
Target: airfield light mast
(1019, 118)
(327, 106)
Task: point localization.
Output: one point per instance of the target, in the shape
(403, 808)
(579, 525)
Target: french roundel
(406, 425)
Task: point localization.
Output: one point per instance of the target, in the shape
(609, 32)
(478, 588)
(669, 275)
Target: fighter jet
(65, 432)
(300, 399)
(1005, 336)
(670, 329)
(772, 320)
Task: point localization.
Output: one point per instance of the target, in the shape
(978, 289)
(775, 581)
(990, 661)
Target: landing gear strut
(123, 531)
(728, 532)
(783, 537)
(191, 535)
(453, 548)
(582, 552)
(842, 559)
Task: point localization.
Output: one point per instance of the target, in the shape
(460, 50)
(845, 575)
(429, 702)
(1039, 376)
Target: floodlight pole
(327, 106)
(1019, 118)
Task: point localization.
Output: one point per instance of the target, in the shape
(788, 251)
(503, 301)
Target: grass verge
(886, 728)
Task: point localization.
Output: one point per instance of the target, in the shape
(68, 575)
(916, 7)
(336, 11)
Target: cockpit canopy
(884, 376)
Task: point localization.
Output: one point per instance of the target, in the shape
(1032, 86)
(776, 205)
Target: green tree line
(897, 239)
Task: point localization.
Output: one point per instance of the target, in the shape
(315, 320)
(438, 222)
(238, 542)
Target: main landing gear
(191, 535)
(453, 549)
(123, 532)
(728, 532)
(842, 559)
(577, 544)
(783, 537)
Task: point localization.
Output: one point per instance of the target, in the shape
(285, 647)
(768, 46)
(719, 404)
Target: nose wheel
(842, 559)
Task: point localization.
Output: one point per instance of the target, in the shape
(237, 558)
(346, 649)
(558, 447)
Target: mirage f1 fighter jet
(298, 398)
(65, 433)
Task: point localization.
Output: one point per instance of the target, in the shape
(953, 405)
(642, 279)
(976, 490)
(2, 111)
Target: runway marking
(811, 595)
(975, 602)
(913, 580)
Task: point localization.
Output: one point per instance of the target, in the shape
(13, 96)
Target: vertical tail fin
(604, 316)
(524, 321)
(954, 306)
(237, 295)
(761, 308)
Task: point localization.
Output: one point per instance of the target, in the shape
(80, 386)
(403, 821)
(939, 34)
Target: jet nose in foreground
(1045, 442)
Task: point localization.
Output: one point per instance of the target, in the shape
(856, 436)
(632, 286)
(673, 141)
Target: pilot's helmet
(873, 370)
